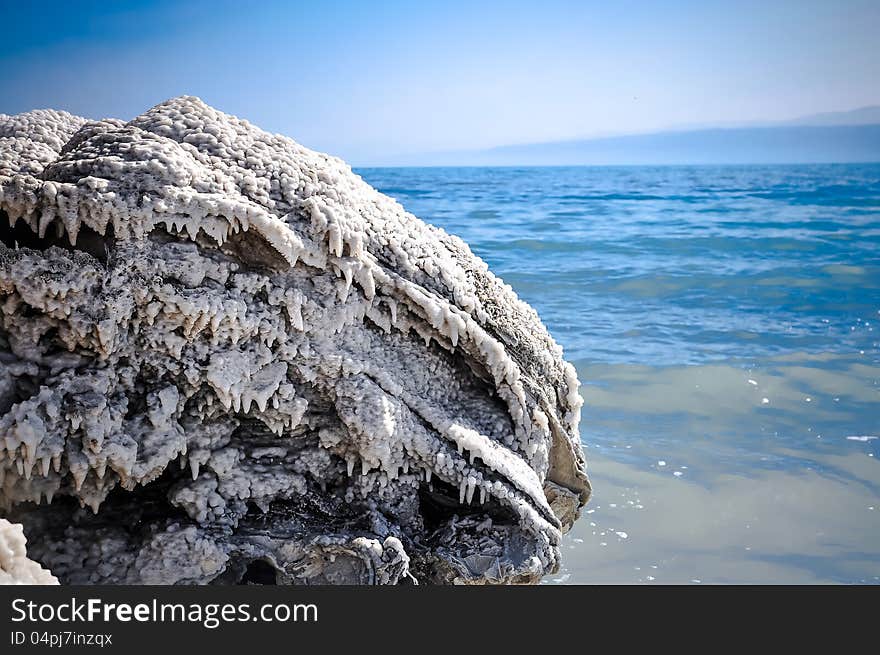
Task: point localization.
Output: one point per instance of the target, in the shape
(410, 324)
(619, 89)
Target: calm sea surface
(725, 324)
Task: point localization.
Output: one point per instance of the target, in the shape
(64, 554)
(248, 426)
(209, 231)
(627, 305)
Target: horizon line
(662, 165)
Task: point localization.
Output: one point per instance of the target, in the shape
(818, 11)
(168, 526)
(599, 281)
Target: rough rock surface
(226, 358)
(15, 567)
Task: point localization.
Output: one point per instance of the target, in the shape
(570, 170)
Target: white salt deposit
(15, 567)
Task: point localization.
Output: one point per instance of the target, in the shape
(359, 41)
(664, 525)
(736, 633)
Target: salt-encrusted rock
(15, 567)
(225, 357)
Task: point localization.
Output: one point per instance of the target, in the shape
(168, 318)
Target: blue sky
(368, 80)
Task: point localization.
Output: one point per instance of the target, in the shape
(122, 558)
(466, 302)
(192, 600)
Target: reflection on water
(723, 473)
(817, 524)
(722, 321)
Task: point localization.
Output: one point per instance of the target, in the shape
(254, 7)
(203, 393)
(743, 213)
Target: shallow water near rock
(725, 322)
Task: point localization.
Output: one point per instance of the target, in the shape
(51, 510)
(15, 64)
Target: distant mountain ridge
(830, 137)
(788, 144)
(869, 115)
(862, 116)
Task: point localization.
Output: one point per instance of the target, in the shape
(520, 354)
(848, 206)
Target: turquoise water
(725, 324)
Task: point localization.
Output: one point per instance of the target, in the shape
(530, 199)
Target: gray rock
(226, 358)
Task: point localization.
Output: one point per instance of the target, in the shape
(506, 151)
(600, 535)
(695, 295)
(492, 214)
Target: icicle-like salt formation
(222, 353)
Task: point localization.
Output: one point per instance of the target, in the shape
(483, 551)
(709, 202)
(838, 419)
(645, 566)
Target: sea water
(725, 324)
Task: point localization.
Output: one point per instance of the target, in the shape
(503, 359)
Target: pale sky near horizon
(365, 80)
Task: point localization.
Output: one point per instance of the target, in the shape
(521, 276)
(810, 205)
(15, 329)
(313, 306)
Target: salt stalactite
(226, 358)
